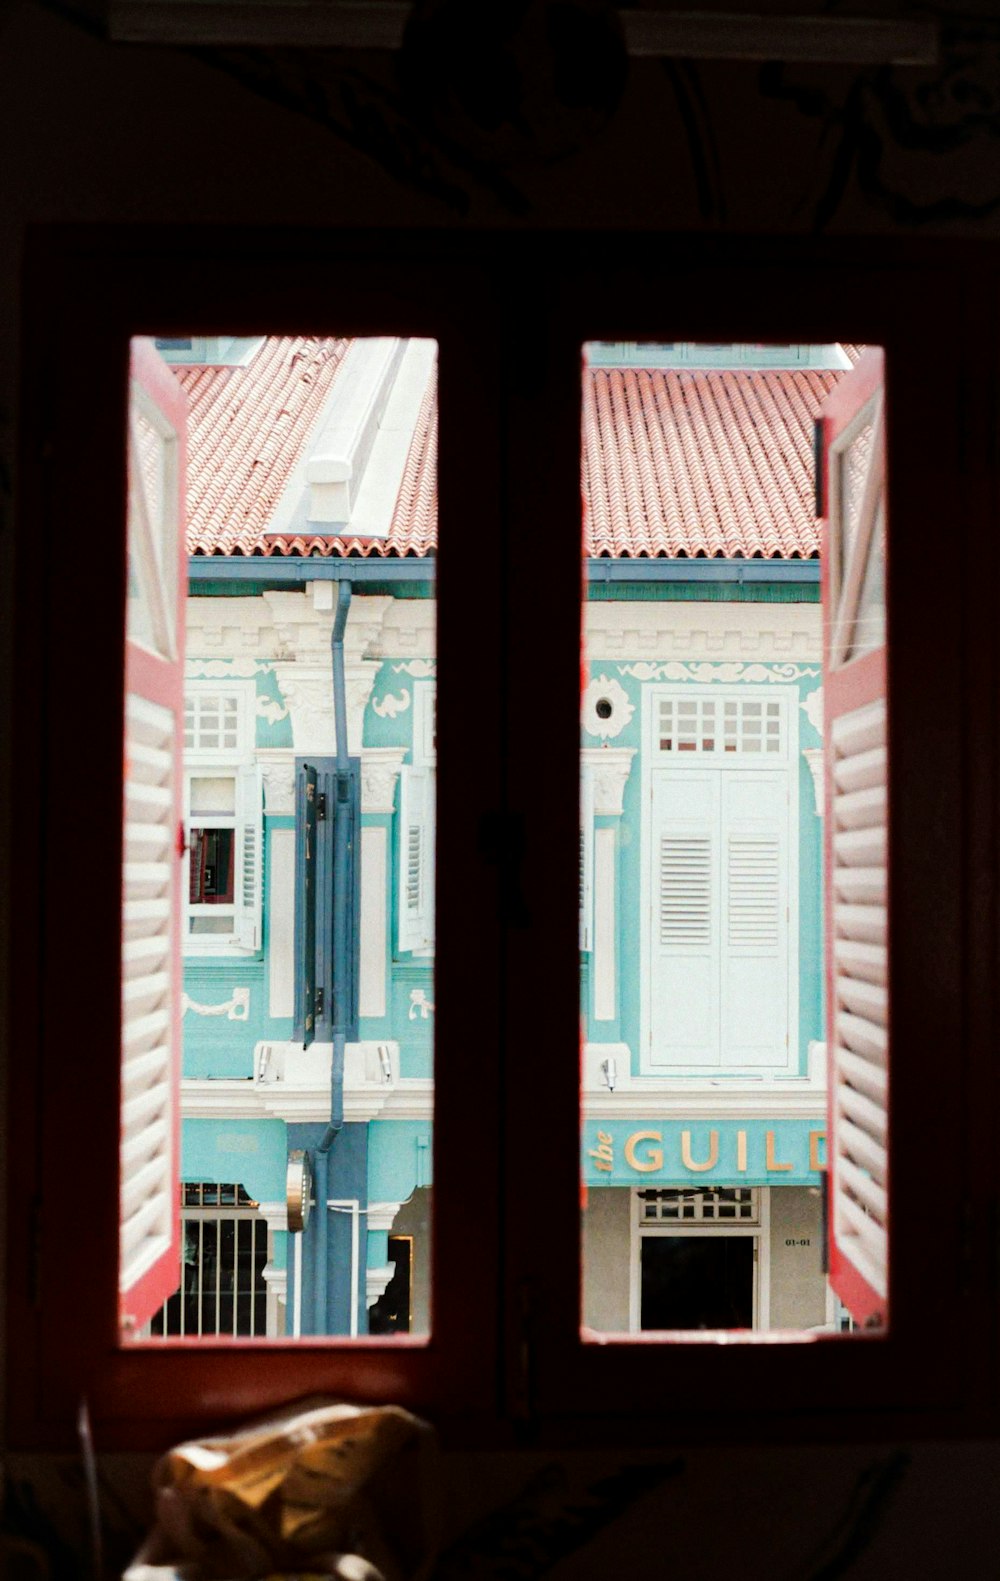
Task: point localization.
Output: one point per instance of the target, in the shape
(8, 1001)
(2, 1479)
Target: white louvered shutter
(416, 859)
(250, 837)
(755, 917)
(684, 921)
(856, 840)
(152, 843)
(586, 862)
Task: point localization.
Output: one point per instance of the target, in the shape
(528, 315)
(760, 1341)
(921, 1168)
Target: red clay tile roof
(713, 464)
(675, 463)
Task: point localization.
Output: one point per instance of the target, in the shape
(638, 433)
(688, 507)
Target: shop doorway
(697, 1281)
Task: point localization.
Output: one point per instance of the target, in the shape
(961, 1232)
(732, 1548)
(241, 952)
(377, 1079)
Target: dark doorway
(697, 1281)
(391, 1312)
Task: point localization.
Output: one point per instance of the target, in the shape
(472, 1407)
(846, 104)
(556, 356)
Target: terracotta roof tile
(675, 463)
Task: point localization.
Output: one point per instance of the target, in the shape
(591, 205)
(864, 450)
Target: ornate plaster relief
(606, 709)
(277, 766)
(236, 1008)
(380, 768)
(609, 769)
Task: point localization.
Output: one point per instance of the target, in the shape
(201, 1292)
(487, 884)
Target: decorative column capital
(609, 769)
(277, 766)
(380, 768)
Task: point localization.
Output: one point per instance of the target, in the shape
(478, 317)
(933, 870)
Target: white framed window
(720, 881)
(222, 820)
(416, 827)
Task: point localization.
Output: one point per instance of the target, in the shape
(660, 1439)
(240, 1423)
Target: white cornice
(664, 629)
(642, 1097)
(296, 1087)
(234, 628)
(305, 628)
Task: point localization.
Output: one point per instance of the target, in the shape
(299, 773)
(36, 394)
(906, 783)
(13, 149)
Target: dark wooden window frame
(510, 315)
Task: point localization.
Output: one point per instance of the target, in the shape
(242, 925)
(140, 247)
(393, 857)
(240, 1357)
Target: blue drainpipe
(321, 1166)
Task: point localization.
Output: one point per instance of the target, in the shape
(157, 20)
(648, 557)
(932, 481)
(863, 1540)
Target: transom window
(679, 1205)
(716, 726)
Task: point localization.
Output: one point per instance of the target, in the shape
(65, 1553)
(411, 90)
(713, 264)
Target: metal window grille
(718, 1205)
(224, 1248)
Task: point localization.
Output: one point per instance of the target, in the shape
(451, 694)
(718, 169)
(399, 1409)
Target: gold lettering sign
(772, 1162)
(603, 1154)
(815, 1138)
(654, 1158)
(713, 1152)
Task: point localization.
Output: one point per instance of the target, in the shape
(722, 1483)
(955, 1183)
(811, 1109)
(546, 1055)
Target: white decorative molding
(304, 630)
(409, 1098)
(241, 629)
(420, 669)
(391, 705)
(236, 1008)
(667, 628)
(812, 707)
(382, 1215)
(270, 709)
(420, 1006)
(276, 1279)
(223, 669)
(377, 1281)
(380, 768)
(277, 766)
(610, 696)
(704, 1098)
(276, 1214)
(609, 769)
(308, 692)
(814, 758)
(725, 674)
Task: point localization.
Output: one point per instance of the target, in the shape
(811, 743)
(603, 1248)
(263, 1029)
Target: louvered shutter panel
(684, 922)
(306, 856)
(853, 491)
(416, 859)
(755, 907)
(251, 843)
(586, 862)
(152, 895)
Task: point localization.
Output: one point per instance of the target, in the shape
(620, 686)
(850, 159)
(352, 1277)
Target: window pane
(709, 703)
(290, 848)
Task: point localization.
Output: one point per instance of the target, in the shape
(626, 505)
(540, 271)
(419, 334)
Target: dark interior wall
(96, 132)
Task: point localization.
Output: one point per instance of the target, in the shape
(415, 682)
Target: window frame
(239, 763)
(531, 1365)
(656, 763)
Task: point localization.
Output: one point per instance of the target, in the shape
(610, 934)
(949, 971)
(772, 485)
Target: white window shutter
(416, 859)
(586, 862)
(251, 849)
(684, 922)
(756, 905)
(152, 905)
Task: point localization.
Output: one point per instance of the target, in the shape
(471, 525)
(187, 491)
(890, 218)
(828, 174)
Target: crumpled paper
(317, 1490)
